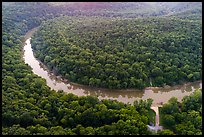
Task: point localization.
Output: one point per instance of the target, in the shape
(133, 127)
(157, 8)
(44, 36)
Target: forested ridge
(30, 107)
(121, 53)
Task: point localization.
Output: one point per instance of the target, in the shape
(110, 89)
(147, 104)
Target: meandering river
(128, 95)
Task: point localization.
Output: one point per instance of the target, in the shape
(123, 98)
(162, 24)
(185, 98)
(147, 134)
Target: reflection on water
(128, 95)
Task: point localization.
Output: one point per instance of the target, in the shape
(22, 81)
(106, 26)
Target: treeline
(183, 118)
(121, 53)
(29, 107)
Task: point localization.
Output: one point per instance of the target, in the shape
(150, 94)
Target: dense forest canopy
(121, 53)
(183, 118)
(30, 107)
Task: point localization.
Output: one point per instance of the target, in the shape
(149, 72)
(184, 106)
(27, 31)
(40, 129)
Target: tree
(57, 130)
(15, 130)
(166, 132)
(169, 121)
(26, 119)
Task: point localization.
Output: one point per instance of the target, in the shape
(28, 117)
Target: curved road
(156, 127)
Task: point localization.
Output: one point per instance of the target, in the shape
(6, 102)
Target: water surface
(128, 95)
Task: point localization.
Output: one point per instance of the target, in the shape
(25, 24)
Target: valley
(81, 68)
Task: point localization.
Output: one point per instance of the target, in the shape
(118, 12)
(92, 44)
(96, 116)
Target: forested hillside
(121, 53)
(30, 107)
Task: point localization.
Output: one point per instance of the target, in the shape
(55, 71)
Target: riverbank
(158, 94)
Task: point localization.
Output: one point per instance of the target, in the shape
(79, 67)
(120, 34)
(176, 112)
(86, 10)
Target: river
(128, 95)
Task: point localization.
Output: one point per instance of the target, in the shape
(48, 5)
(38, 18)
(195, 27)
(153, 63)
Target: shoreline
(67, 81)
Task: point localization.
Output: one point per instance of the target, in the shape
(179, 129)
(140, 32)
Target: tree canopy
(121, 53)
(30, 107)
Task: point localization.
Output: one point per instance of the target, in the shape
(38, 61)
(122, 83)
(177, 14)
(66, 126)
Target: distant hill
(132, 9)
(190, 10)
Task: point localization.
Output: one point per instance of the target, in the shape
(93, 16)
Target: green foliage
(106, 52)
(30, 107)
(15, 130)
(166, 132)
(183, 118)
